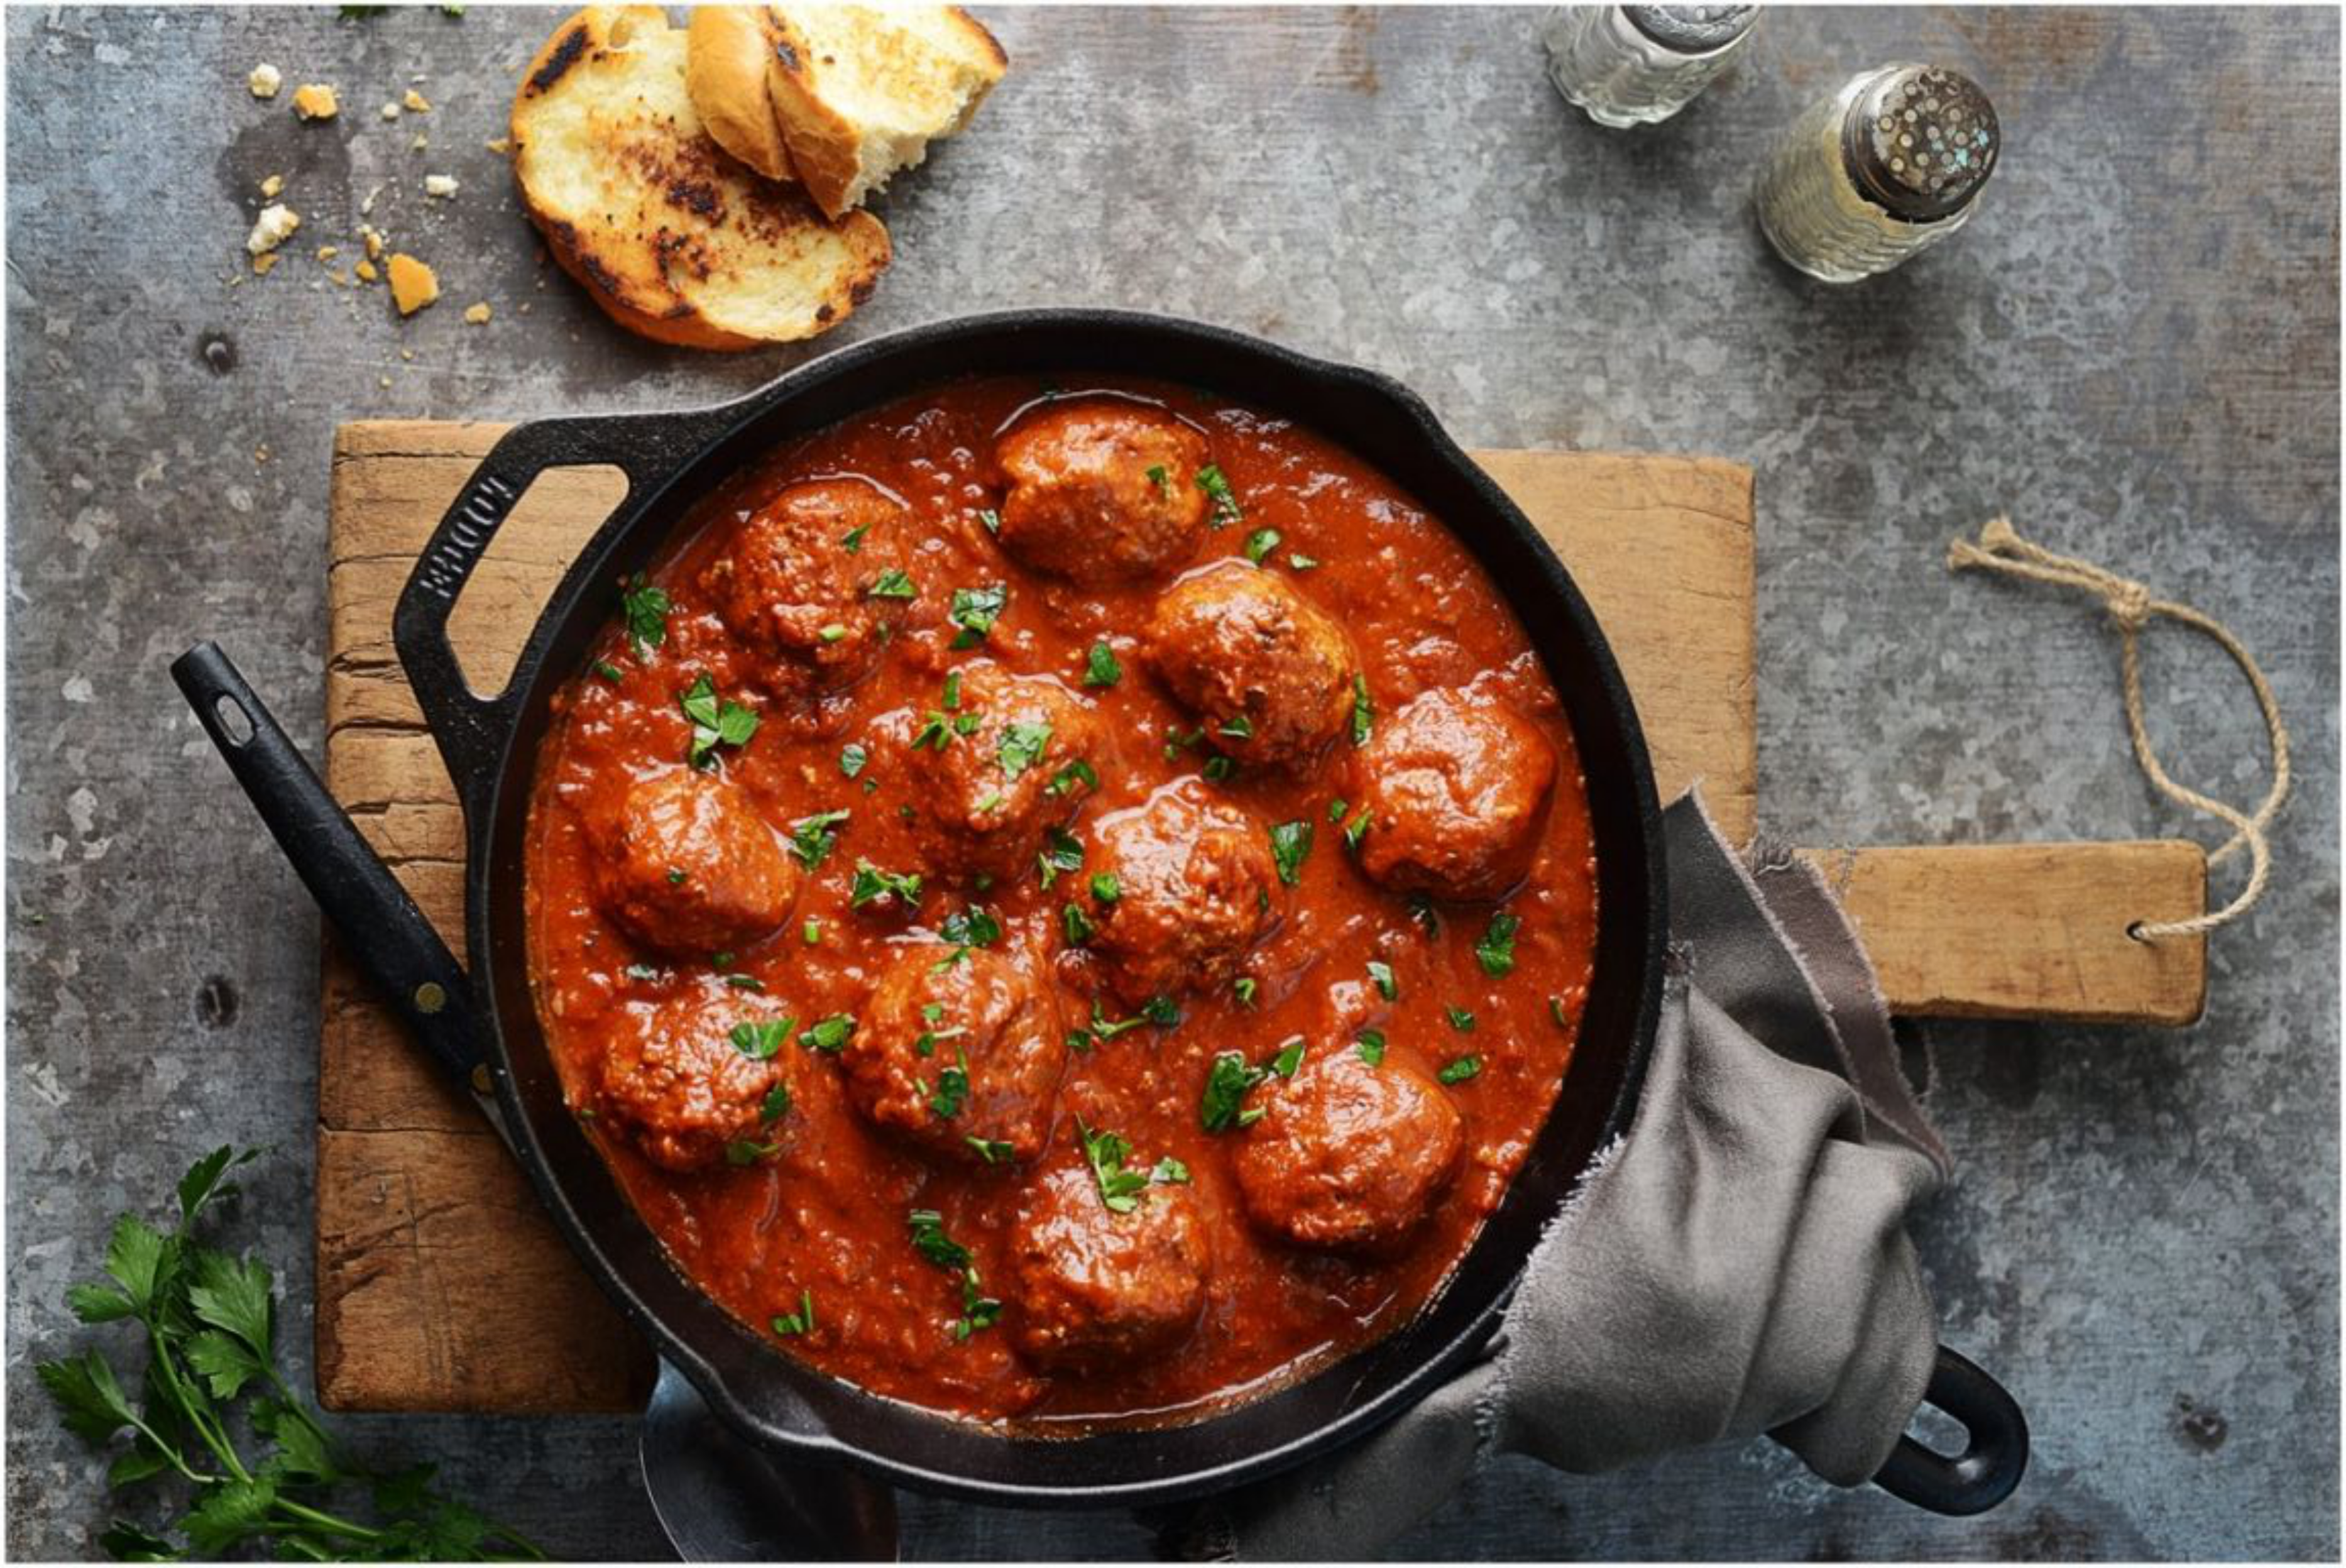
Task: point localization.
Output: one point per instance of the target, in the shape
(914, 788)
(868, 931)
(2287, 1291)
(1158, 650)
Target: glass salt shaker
(1884, 168)
(1639, 65)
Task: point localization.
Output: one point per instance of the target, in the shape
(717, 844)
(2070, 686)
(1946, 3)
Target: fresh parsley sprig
(209, 1320)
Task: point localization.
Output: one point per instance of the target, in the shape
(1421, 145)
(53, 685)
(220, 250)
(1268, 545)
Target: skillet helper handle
(377, 920)
(469, 727)
(1996, 1452)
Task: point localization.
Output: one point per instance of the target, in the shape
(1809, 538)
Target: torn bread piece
(725, 70)
(860, 91)
(672, 238)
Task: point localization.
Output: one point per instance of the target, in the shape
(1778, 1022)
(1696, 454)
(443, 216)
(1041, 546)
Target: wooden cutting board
(441, 1285)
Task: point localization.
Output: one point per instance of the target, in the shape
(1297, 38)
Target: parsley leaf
(829, 1036)
(644, 609)
(1289, 1057)
(974, 926)
(1022, 747)
(1370, 1045)
(812, 838)
(714, 723)
(1261, 543)
(1225, 509)
(953, 1088)
(1062, 853)
(1100, 668)
(1496, 950)
(1290, 843)
(872, 885)
(1361, 711)
(974, 611)
(1119, 1189)
(1227, 1082)
(1073, 776)
(930, 1241)
(1461, 1019)
(799, 1322)
(851, 758)
(894, 583)
(1459, 1071)
(1381, 974)
(758, 1039)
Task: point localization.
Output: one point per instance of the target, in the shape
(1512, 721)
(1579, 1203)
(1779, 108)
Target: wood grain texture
(441, 1287)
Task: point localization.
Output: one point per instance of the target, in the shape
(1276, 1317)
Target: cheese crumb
(478, 314)
(272, 186)
(315, 101)
(374, 241)
(414, 285)
(440, 185)
(328, 252)
(390, 111)
(263, 262)
(367, 274)
(265, 80)
(501, 146)
(416, 102)
(420, 144)
(275, 224)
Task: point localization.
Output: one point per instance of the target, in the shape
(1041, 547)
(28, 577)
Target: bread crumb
(338, 279)
(441, 184)
(478, 314)
(390, 111)
(272, 186)
(383, 382)
(414, 285)
(260, 453)
(407, 353)
(374, 241)
(367, 274)
(420, 144)
(263, 262)
(501, 146)
(264, 81)
(275, 224)
(416, 102)
(315, 101)
(328, 252)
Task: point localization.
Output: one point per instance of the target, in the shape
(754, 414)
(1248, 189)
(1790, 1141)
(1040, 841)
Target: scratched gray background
(2135, 348)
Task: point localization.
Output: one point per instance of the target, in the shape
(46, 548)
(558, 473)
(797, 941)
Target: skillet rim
(494, 770)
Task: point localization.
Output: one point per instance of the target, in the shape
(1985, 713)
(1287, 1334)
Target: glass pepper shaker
(1639, 65)
(1887, 167)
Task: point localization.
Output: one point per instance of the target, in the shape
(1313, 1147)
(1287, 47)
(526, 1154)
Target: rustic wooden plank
(2030, 931)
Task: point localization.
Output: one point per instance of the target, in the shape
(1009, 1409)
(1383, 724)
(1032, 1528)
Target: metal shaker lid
(1692, 29)
(1920, 140)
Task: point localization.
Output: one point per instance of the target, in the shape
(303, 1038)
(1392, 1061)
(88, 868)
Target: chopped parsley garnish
(1361, 711)
(799, 1322)
(873, 884)
(1218, 769)
(993, 1151)
(835, 632)
(1076, 925)
(1227, 1083)
(851, 758)
(830, 1035)
(643, 972)
(1370, 1045)
(894, 583)
(977, 1311)
(1062, 853)
(646, 609)
(1356, 829)
(974, 611)
(1121, 1187)
(1159, 478)
(1336, 810)
(1225, 509)
(1299, 561)
(1261, 543)
(1073, 776)
(1238, 728)
(714, 723)
(1555, 1011)
(930, 1241)
(1106, 887)
(1496, 950)
(1245, 987)
(1290, 843)
(930, 1039)
(1460, 1019)
(990, 520)
(953, 1088)
(776, 1104)
(813, 931)
(749, 1151)
(1459, 1071)
(1022, 748)
(758, 1039)
(1421, 910)
(676, 876)
(1289, 1057)
(989, 802)
(1157, 1010)
(1176, 742)
(813, 837)
(852, 540)
(953, 692)
(1100, 668)
(976, 926)
(609, 671)
(1381, 972)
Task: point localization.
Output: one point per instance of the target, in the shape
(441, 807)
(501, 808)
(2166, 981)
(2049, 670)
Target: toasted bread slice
(725, 70)
(861, 90)
(672, 238)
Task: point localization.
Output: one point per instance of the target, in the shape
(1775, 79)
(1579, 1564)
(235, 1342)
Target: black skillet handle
(378, 923)
(648, 449)
(1995, 1451)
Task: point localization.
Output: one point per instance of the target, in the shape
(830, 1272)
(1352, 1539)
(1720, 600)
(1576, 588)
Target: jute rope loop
(2133, 607)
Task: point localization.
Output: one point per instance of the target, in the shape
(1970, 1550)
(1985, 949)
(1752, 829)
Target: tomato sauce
(817, 1213)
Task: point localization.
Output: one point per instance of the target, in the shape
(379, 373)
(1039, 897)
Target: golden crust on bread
(860, 91)
(725, 71)
(671, 237)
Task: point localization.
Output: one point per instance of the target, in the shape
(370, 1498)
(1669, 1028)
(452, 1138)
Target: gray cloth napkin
(1737, 1265)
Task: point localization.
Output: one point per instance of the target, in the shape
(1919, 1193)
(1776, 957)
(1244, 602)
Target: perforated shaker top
(1921, 140)
(1692, 29)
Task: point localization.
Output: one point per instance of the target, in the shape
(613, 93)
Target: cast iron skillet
(486, 1026)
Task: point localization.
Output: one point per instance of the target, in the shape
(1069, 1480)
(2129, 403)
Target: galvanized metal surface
(2135, 348)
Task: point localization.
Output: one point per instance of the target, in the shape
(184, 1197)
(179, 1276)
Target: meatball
(1266, 672)
(1192, 882)
(691, 1075)
(1455, 787)
(797, 582)
(956, 1051)
(1103, 492)
(994, 771)
(688, 866)
(1347, 1156)
(1092, 1286)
